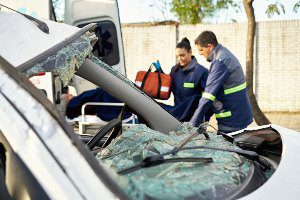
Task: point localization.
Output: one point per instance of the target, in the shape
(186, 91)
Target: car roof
(22, 40)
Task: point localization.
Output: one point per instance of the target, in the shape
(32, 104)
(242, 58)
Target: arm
(203, 79)
(217, 76)
(200, 80)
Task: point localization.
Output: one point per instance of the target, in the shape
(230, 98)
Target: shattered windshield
(65, 61)
(178, 180)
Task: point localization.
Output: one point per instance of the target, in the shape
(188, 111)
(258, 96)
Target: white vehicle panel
(43, 82)
(59, 151)
(30, 43)
(28, 146)
(282, 184)
(34, 8)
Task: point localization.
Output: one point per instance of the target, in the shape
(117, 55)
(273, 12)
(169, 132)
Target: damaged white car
(41, 157)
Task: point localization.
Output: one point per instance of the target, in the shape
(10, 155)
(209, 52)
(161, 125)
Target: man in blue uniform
(188, 81)
(225, 92)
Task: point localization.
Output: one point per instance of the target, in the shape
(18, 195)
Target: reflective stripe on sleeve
(188, 85)
(208, 96)
(235, 89)
(223, 115)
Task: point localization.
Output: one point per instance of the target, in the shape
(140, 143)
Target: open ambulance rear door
(109, 47)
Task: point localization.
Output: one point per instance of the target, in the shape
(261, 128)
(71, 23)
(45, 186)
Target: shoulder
(226, 57)
(173, 69)
(228, 62)
(218, 67)
(220, 61)
(197, 65)
(200, 67)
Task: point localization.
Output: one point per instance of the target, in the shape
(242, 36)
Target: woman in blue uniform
(188, 81)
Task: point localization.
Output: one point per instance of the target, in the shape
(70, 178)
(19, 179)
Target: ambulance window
(106, 48)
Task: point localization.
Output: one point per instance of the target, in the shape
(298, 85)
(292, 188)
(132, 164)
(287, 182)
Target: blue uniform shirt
(225, 93)
(188, 82)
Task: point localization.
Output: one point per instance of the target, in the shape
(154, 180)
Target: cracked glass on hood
(180, 180)
(65, 61)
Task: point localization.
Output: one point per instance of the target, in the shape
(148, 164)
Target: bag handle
(159, 85)
(145, 77)
(159, 80)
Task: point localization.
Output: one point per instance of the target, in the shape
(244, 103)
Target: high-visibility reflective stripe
(188, 85)
(208, 96)
(223, 115)
(235, 89)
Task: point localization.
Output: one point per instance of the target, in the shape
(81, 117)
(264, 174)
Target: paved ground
(287, 120)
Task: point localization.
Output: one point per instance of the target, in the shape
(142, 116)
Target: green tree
(276, 7)
(194, 11)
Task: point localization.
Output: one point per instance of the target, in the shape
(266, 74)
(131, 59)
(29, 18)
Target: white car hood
(284, 183)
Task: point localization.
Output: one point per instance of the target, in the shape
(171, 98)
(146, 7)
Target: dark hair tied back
(185, 40)
(185, 43)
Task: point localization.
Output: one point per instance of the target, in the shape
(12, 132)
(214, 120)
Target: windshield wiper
(40, 24)
(251, 155)
(159, 159)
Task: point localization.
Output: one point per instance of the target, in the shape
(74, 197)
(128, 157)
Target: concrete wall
(278, 65)
(144, 45)
(277, 55)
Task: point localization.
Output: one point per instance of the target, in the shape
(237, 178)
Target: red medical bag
(157, 84)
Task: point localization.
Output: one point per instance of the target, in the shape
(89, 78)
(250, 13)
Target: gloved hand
(157, 66)
(202, 129)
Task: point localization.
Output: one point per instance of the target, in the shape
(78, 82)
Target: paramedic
(188, 81)
(188, 76)
(225, 92)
